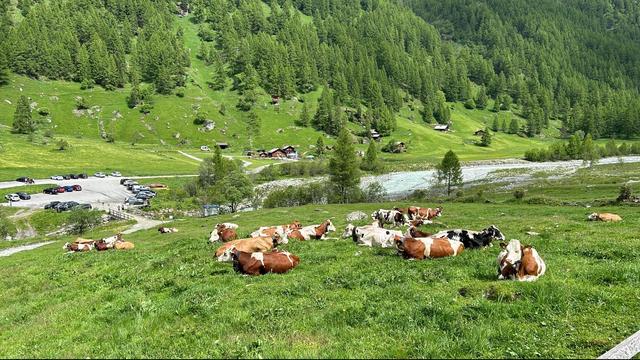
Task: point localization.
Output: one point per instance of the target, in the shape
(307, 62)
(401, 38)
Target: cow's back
(412, 249)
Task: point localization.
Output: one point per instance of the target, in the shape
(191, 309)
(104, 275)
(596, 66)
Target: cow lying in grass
(167, 230)
(315, 232)
(282, 230)
(79, 245)
(414, 232)
(517, 262)
(259, 263)
(372, 235)
(224, 232)
(250, 245)
(605, 217)
(113, 242)
(428, 247)
(473, 239)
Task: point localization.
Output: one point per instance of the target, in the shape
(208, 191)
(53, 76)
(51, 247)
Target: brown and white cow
(259, 263)
(608, 217)
(416, 212)
(123, 245)
(82, 246)
(315, 232)
(517, 262)
(250, 245)
(167, 230)
(417, 233)
(282, 230)
(224, 232)
(423, 248)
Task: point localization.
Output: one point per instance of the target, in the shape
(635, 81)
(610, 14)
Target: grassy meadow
(169, 297)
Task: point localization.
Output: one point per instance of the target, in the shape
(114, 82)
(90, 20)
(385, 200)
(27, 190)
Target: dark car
(83, 176)
(68, 188)
(25, 179)
(51, 191)
(66, 177)
(61, 189)
(66, 206)
(143, 196)
(24, 196)
(73, 176)
(51, 205)
(123, 180)
(77, 188)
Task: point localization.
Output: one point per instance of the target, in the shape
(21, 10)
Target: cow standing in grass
(473, 239)
(392, 217)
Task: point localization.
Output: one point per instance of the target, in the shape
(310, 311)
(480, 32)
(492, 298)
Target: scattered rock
(54, 98)
(33, 106)
(280, 131)
(356, 215)
(532, 233)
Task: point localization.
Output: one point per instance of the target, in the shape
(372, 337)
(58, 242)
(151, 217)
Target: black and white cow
(473, 239)
(394, 217)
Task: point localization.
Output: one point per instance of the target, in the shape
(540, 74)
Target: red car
(77, 188)
(61, 189)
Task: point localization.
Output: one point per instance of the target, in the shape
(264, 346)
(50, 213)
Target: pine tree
(503, 126)
(449, 171)
(219, 78)
(589, 151)
(514, 127)
(486, 138)
(22, 121)
(370, 161)
(495, 126)
(305, 118)
(320, 150)
(84, 65)
(344, 174)
(482, 98)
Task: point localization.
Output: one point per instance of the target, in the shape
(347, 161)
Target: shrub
(625, 193)
(82, 220)
(81, 103)
(43, 111)
(201, 118)
(315, 193)
(146, 108)
(374, 192)
(519, 194)
(180, 92)
(62, 145)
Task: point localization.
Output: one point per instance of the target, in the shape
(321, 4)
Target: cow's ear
(503, 245)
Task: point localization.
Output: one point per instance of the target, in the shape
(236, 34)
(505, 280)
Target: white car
(99, 175)
(204, 148)
(116, 174)
(12, 197)
(57, 177)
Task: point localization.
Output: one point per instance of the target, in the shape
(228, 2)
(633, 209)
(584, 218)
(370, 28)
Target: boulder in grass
(356, 215)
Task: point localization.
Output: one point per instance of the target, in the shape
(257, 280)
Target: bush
(180, 92)
(315, 193)
(62, 145)
(83, 220)
(81, 103)
(146, 108)
(519, 194)
(201, 118)
(43, 111)
(625, 193)
(373, 193)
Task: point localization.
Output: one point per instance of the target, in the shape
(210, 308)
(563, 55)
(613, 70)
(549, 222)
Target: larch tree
(449, 172)
(22, 120)
(344, 173)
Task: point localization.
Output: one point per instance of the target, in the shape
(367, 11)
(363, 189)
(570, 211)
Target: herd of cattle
(259, 255)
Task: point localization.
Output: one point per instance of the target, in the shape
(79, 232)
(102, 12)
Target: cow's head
(295, 225)
(492, 232)
(282, 236)
(228, 254)
(375, 215)
(330, 227)
(214, 236)
(593, 217)
(439, 211)
(348, 231)
(509, 259)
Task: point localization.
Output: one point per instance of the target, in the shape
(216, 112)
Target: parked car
(68, 188)
(143, 196)
(132, 185)
(129, 183)
(61, 189)
(204, 148)
(24, 196)
(134, 201)
(66, 177)
(24, 179)
(123, 180)
(51, 205)
(116, 174)
(136, 188)
(57, 177)
(100, 175)
(66, 206)
(83, 176)
(51, 191)
(82, 206)
(12, 197)
(148, 192)
(77, 188)
(73, 176)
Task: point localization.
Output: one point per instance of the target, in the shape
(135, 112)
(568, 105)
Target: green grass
(169, 298)
(21, 157)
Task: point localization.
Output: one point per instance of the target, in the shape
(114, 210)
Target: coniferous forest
(577, 62)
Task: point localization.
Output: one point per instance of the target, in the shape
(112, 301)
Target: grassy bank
(169, 298)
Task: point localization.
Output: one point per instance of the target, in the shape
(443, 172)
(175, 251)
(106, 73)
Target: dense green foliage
(448, 172)
(578, 148)
(344, 172)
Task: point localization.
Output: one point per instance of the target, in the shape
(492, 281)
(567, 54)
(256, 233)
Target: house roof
(274, 150)
(441, 127)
